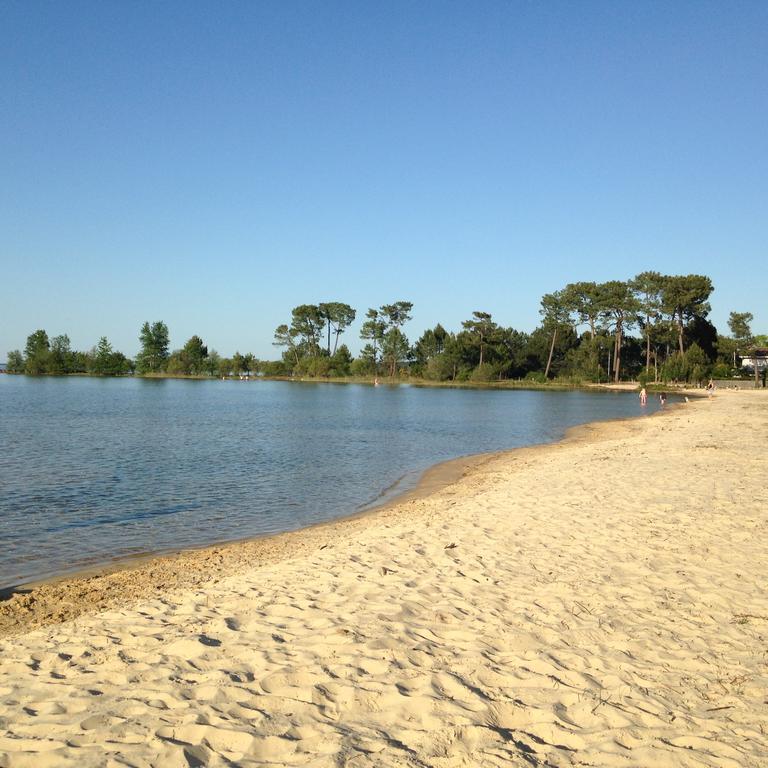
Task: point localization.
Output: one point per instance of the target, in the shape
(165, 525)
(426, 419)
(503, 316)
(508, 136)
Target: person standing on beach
(663, 398)
(643, 396)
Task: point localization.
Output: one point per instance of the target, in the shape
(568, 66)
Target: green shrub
(484, 372)
(438, 368)
(361, 366)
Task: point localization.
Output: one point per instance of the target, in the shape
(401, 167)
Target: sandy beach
(598, 602)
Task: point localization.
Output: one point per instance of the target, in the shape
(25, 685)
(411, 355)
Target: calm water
(93, 469)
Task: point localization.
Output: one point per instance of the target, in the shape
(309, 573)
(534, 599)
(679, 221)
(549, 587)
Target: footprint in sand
(188, 648)
(290, 683)
(233, 744)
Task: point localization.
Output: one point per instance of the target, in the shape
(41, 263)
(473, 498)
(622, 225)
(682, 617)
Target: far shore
(523, 384)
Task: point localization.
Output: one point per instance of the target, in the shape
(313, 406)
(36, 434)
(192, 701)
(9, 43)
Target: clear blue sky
(215, 164)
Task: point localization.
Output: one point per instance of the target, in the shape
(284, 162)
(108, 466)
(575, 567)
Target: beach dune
(598, 602)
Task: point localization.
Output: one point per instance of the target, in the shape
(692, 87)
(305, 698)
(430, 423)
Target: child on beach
(663, 398)
(643, 396)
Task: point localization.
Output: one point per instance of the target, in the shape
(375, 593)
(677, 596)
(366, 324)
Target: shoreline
(67, 595)
(384, 381)
(431, 479)
(525, 384)
(596, 601)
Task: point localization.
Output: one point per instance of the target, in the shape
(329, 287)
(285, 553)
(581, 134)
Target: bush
(485, 372)
(674, 368)
(273, 368)
(722, 371)
(438, 368)
(313, 366)
(361, 367)
(341, 362)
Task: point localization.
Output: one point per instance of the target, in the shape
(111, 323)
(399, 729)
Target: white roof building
(757, 357)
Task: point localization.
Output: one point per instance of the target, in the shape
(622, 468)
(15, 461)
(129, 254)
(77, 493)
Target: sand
(599, 602)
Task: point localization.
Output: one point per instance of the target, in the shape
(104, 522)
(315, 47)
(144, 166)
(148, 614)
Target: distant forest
(652, 328)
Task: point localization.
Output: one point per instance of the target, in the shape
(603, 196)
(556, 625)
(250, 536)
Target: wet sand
(601, 601)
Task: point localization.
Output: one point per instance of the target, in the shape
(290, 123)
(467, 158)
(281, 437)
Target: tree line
(585, 334)
(55, 356)
(653, 327)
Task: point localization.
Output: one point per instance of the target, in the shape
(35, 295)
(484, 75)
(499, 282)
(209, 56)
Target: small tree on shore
(153, 355)
(15, 362)
(37, 353)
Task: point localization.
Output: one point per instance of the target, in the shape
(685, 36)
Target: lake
(94, 469)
